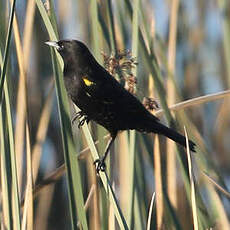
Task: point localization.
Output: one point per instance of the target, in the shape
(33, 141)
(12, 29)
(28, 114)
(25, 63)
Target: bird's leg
(82, 122)
(100, 163)
(76, 116)
(80, 115)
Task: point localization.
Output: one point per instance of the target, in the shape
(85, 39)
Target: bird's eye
(60, 47)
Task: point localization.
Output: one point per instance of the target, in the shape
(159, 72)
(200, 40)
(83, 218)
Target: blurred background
(183, 52)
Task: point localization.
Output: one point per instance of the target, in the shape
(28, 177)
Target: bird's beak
(53, 44)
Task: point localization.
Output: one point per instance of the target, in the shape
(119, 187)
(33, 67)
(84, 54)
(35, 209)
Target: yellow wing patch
(87, 81)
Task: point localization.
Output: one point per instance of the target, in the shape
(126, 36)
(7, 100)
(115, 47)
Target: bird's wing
(104, 88)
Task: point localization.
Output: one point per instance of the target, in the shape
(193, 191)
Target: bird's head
(70, 49)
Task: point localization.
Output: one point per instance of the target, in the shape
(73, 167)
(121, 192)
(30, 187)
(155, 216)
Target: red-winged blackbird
(102, 99)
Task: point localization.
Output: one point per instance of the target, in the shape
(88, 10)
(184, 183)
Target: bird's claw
(100, 165)
(80, 115)
(82, 122)
(77, 115)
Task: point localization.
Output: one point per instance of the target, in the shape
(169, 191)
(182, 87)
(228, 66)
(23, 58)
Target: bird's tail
(172, 134)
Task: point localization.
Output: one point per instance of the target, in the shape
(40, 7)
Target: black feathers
(102, 99)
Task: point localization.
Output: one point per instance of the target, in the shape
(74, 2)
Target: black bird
(102, 99)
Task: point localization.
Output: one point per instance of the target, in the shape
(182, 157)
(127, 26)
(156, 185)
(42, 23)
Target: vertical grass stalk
(6, 52)
(135, 41)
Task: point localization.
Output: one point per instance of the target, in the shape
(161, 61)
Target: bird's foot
(82, 121)
(83, 118)
(100, 165)
(78, 115)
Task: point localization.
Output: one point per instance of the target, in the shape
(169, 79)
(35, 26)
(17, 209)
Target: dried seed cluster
(122, 64)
